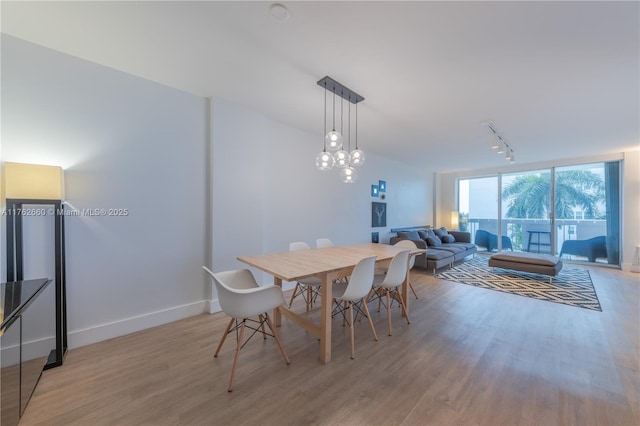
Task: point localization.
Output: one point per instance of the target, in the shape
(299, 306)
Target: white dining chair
(388, 285)
(326, 242)
(412, 260)
(323, 242)
(242, 299)
(353, 296)
(309, 288)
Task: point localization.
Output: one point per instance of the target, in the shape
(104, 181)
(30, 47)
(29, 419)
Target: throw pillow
(434, 242)
(423, 235)
(448, 239)
(440, 232)
(429, 234)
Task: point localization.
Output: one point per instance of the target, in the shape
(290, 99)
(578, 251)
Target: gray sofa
(443, 247)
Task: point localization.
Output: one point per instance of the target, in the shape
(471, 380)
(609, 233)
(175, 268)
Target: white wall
(238, 182)
(630, 207)
(124, 142)
(267, 191)
(128, 143)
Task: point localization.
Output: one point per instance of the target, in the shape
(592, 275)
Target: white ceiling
(559, 79)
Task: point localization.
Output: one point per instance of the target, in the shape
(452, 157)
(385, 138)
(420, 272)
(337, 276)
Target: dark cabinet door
(10, 374)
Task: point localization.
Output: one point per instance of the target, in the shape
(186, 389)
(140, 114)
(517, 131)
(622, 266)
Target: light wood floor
(470, 356)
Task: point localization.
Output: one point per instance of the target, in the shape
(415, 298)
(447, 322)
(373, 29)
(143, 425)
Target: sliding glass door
(478, 210)
(572, 212)
(526, 210)
(587, 217)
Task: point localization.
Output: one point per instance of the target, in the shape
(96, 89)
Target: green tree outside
(529, 196)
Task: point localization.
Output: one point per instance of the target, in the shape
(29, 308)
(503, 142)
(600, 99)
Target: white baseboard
(628, 266)
(118, 328)
(214, 306)
(125, 326)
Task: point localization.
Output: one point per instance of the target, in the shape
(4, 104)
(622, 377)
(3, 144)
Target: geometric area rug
(571, 286)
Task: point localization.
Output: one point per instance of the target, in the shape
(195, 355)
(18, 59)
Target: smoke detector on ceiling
(279, 12)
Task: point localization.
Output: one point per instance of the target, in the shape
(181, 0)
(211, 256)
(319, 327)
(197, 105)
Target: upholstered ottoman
(527, 262)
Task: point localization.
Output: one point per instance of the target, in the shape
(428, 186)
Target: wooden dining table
(328, 264)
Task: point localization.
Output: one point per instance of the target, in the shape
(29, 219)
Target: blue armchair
(592, 248)
(490, 241)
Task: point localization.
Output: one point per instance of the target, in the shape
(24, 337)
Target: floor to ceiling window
(478, 210)
(526, 210)
(514, 212)
(587, 215)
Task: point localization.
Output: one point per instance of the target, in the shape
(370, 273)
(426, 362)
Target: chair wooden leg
(235, 358)
(369, 296)
(402, 305)
(344, 318)
(353, 340)
(309, 301)
(413, 290)
(275, 335)
(389, 311)
(293, 296)
(366, 312)
(224, 336)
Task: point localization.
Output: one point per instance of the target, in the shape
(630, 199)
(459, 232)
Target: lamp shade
(33, 182)
(454, 220)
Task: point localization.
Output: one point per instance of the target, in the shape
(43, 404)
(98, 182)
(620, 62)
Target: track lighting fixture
(498, 143)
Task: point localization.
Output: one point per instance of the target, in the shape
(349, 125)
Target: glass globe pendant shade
(342, 158)
(334, 140)
(348, 175)
(325, 161)
(357, 158)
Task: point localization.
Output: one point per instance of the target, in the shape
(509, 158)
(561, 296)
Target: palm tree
(529, 196)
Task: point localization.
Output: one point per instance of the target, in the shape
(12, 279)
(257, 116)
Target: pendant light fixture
(357, 156)
(345, 159)
(325, 161)
(349, 174)
(334, 138)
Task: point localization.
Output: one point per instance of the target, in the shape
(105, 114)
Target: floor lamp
(29, 185)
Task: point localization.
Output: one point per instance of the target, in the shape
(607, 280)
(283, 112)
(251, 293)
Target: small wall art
(374, 190)
(378, 215)
(375, 237)
(382, 186)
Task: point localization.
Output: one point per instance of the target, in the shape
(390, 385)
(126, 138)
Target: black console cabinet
(20, 372)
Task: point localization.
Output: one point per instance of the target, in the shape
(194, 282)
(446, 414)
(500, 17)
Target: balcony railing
(535, 234)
